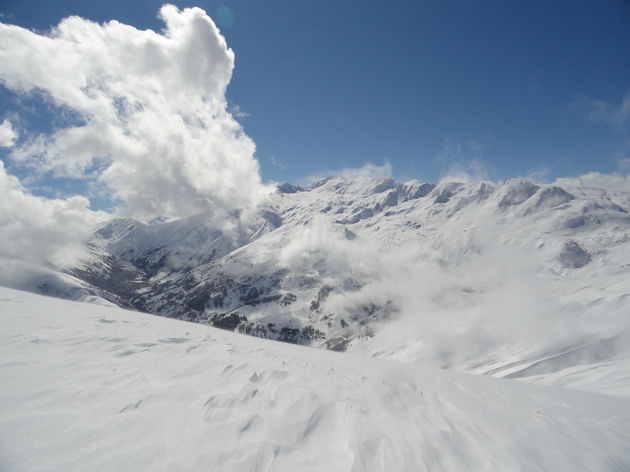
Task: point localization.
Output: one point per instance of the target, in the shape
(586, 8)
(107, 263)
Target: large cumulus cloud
(144, 121)
(151, 124)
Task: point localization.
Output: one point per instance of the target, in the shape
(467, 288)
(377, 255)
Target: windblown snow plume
(149, 115)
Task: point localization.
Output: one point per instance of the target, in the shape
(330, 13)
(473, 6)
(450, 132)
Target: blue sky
(521, 87)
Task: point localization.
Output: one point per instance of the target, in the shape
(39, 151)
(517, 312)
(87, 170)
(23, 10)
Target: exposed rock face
(573, 256)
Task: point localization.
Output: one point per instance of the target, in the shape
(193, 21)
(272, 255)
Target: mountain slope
(502, 278)
(88, 387)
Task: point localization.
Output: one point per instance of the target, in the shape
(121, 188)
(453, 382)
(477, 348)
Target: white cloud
(595, 179)
(454, 304)
(37, 231)
(617, 115)
(538, 174)
(466, 171)
(150, 129)
(276, 163)
(153, 110)
(624, 164)
(462, 161)
(238, 112)
(367, 170)
(453, 151)
(8, 135)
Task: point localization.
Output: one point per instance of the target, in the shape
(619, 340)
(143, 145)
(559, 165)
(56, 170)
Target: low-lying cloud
(464, 300)
(39, 232)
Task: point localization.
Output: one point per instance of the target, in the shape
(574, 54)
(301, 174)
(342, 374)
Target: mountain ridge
(300, 269)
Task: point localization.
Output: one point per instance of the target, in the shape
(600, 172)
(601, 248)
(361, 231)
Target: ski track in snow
(93, 388)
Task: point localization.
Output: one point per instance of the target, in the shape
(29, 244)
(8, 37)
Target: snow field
(88, 387)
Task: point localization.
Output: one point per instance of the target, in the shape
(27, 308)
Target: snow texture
(500, 278)
(88, 387)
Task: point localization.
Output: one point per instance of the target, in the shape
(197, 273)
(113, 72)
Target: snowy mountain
(422, 284)
(502, 278)
(89, 387)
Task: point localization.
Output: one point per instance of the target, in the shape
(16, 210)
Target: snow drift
(96, 388)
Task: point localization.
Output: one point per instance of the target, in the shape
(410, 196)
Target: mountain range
(420, 284)
(509, 278)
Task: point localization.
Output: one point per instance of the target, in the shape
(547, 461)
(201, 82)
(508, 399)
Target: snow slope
(326, 264)
(508, 278)
(87, 387)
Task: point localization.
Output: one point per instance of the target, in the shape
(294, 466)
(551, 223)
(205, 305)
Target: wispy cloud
(276, 163)
(8, 135)
(367, 170)
(609, 182)
(462, 162)
(615, 114)
(538, 174)
(623, 164)
(454, 151)
(466, 171)
(238, 112)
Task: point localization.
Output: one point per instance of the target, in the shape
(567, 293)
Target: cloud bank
(150, 119)
(462, 300)
(38, 232)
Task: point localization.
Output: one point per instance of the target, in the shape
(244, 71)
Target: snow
(510, 279)
(349, 233)
(89, 387)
